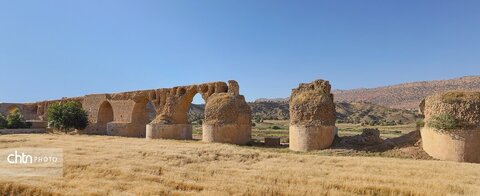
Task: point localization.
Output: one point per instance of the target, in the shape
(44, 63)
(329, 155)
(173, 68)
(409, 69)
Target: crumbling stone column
(172, 123)
(173, 105)
(227, 118)
(312, 117)
(460, 142)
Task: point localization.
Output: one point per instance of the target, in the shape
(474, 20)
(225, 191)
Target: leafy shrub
(420, 123)
(67, 116)
(253, 124)
(389, 123)
(15, 121)
(3, 122)
(443, 122)
(276, 127)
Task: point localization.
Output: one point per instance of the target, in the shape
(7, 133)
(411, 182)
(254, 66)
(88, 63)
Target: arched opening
(105, 115)
(196, 115)
(143, 113)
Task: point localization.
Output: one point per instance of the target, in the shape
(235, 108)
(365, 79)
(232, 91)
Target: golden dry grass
(457, 96)
(103, 165)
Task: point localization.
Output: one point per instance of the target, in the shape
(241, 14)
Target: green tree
(3, 122)
(15, 120)
(67, 116)
(275, 127)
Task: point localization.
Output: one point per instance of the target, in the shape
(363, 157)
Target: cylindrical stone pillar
(169, 131)
(312, 117)
(227, 119)
(452, 128)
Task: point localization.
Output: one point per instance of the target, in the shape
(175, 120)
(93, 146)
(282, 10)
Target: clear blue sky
(54, 49)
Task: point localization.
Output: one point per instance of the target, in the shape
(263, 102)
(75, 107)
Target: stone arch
(105, 116)
(179, 103)
(196, 115)
(143, 113)
(195, 109)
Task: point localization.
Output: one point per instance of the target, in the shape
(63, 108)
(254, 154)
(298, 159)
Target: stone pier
(460, 143)
(312, 117)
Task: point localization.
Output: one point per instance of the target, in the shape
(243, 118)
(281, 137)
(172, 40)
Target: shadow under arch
(143, 113)
(105, 116)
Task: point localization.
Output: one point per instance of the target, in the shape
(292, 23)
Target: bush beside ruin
(14, 120)
(443, 122)
(452, 110)
(67, 116)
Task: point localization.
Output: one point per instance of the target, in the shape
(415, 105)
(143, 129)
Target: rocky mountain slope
(382, 105)
(373, 114)
(346, 112)
(406, 95)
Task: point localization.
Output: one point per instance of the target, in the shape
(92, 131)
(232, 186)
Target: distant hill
(270, 110)
(401, 96)
(406, 95)
(196, 112)
(370, 113)
(383, 105)
(262, 100)
(346, 112)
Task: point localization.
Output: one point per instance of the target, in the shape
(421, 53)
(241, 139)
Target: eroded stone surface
(227, 118)
(127, 113)
(227, 108)
(463, 106)
(312, 117)
(312, 104)
(462, 143)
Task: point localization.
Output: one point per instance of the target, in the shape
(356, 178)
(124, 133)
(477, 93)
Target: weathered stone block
(307, 138)
(461, 146)
(461, 143)
(38, 124)
(174, 131)
(272, 141)
(227, 133)
(125, 129)
(23, 131)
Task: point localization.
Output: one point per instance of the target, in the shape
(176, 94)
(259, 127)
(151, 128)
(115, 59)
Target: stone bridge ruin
(158, 113)
(312, 116)
(462, 143)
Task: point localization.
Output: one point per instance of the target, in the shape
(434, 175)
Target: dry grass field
(105, 165)
(279, 128)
